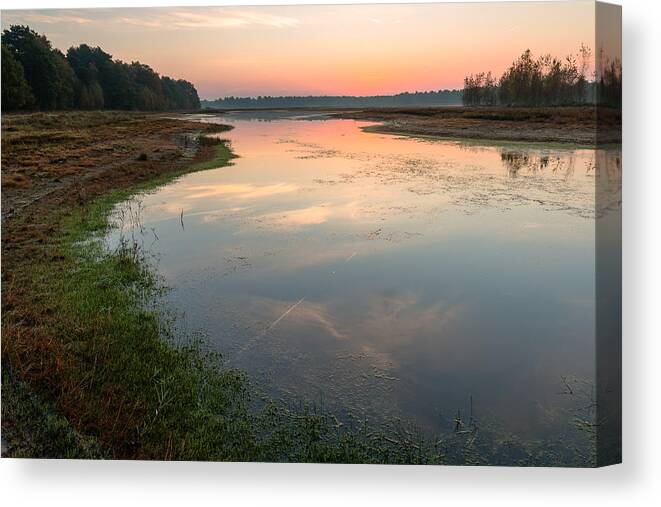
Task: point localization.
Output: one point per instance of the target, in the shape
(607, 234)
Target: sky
(322, 49)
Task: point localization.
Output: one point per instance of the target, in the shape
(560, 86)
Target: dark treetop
(37, 76)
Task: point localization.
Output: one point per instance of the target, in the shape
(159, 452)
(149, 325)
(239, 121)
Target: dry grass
(44, 153)
(576, 125)
(15, 180)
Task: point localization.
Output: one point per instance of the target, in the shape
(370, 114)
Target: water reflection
(394, 277)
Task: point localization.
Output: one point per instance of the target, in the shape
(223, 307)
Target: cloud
(209, 19)
(51, 18)
(142, 22)
(163, 19)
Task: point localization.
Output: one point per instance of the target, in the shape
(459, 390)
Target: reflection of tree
(516, 161)
(608, 180)
(605, 165)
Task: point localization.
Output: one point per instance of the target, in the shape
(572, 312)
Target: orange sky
(343, 49)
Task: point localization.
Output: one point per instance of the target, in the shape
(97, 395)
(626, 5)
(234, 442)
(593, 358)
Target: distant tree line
(421, 99)
(37, 76)
(547, 81)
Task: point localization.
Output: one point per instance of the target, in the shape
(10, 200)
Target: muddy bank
(79, 154)
(575, 125)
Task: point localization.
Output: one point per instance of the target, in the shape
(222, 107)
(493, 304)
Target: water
(387, 276)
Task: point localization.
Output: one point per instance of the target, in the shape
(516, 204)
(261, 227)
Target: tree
(546, 81)
(64, 81)
(88, 91)
(35, 54)
(16, 93)
(86, 78)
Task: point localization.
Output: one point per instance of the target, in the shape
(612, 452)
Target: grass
(571, 125)
(44, 433)
(87, 373)
(15, 180)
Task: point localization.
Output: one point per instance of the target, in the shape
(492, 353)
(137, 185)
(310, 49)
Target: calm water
(387, 276)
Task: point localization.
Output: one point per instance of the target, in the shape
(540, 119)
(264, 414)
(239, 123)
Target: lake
(387, 277)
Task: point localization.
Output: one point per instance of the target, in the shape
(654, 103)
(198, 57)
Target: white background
(636, 482)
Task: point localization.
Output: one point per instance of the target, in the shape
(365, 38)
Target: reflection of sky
(394, 276)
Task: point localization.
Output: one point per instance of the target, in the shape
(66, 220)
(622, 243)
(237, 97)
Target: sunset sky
(321, 50)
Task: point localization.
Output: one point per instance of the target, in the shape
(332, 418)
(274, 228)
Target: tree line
(37, 76)
(415, 99)
(547, 81)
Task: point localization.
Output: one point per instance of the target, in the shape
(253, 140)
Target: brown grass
(577, 125)
(15, 180)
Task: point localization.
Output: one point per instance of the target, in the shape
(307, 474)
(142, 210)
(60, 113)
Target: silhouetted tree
(41, 67)
(87, 78)
(546, 81)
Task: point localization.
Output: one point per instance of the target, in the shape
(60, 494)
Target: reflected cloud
(294, 318)
(238, 190)
(389, 322)
(319, 314)
(311, 215)
(400, 317)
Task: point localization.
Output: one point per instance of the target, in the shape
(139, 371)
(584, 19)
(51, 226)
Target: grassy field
(85, 370)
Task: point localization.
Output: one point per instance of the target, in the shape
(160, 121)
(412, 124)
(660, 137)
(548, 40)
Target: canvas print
(383, 234)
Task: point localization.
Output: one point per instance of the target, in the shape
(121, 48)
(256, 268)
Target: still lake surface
(386, 276)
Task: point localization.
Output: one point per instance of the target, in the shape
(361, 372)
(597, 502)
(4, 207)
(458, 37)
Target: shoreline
(51, 220)
(486, 142)
(568, 126)
(561, 125)
(86, 372)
